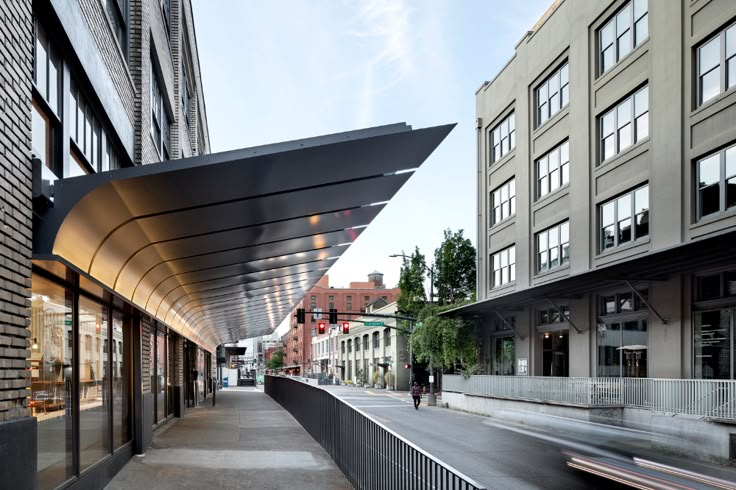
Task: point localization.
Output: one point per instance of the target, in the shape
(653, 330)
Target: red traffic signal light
(346, 327)
(321, 327)
(406, 366)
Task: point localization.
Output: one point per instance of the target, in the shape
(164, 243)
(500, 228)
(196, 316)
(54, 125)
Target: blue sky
(281, 70)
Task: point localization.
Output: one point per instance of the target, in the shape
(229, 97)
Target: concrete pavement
(246, 441)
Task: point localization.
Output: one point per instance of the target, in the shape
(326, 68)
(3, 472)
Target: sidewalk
(246, 441)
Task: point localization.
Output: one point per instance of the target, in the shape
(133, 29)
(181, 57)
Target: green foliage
(449, 340)
(454, 263)
(412, 297)
(277, 359)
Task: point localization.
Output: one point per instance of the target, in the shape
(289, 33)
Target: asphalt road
(472, 444)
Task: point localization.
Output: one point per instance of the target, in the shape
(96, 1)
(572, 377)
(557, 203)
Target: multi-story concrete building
(375, 355)
(298, 353)
(606, 205)
(128, 252)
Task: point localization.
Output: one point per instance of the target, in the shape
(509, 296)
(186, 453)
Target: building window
(342, 347)
(622, 348)
(387, 337)
(717, 64)
(166, 10)
(504, 267)
(331, 298)
(553, 170)
(616, 303)
(625, 124)
(376, 340)
(553, 247)
(349, 300)
(616, 218)
(45, 122)
(715, 286)
(713, 344)
(716, 177)
(552, 94)
(503, 138)
(503, 202)
(159, 117)
(186, 98)
(117, 13)
(550, 316)
(620, 35)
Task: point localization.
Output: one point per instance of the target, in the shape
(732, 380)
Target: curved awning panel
(220, 247)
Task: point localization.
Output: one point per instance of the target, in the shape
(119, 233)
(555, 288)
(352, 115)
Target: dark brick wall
(107, 45)
(16, 42)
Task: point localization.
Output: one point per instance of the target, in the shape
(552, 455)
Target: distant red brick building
(298, 341)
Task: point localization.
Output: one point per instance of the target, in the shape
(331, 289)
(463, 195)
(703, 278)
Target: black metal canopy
(222, 246)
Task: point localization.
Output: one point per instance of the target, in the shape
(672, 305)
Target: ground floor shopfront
(682, 326)
(103, 375)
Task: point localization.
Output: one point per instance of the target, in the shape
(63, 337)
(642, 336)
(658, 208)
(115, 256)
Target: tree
(450, 341)
(454, 263)
(412, 297)
(277, 359)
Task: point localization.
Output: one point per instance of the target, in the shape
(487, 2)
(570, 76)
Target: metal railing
(369, 454)
(703, 397)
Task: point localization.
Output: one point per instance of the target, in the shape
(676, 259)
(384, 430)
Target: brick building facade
(355, 298)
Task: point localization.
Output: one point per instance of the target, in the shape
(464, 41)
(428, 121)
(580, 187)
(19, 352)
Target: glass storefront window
(94, 406)
(504, 356)
(160, 388)
(121, 380)
(622, 349)
(51, 380)
(712, 341)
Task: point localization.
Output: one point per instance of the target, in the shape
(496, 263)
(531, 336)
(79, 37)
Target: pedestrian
(416, 394)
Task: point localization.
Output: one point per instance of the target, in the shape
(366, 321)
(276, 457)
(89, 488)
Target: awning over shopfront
(653, 266)
(221, 247)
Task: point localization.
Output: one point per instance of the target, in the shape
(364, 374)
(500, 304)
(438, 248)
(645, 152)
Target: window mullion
(723, 64)
(722, 181)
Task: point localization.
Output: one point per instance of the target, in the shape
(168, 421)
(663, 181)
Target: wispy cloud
(383, 29)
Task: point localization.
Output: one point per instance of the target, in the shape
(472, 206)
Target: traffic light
(321, 328)
(333, 316)
(345, 327)
(300, 316)
(406, 366)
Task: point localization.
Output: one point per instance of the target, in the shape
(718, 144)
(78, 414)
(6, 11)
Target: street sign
(373, 324)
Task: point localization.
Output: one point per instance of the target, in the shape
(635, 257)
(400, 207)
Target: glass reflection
(160, 387)
(51, 380)
(121, 386)
(93, 391)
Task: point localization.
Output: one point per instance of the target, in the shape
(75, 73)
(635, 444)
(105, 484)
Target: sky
(282, 70)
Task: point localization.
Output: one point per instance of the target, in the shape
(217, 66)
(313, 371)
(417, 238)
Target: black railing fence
(369, 454)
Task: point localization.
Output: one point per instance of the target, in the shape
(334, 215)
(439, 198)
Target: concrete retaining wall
(677, 433)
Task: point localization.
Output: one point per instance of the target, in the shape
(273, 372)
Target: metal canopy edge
(220, 247)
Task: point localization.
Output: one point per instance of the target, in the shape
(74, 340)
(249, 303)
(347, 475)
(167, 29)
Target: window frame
(634, 123)
(563, 170)
(160, 122)
(120, 9)
(724, 74)
(558, 248)
(547, 99)
(495, 136)
(617, 220)
(632, 32)
(723, 179)
(497, 257)
(510, 203)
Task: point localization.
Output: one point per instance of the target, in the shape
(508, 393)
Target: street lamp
(431, 399)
